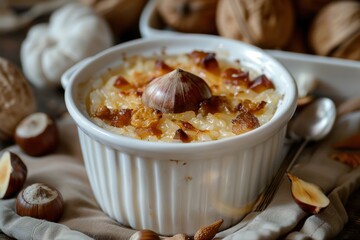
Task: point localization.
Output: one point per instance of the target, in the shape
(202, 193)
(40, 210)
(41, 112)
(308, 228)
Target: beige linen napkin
(283, 215)
(63, 170)
(84, 220)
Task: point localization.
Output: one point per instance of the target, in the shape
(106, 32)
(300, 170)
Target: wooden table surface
(52, 102)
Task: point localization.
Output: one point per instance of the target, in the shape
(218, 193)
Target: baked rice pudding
(190, 97)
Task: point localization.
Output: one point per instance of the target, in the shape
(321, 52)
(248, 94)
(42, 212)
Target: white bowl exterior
(147, 184)
(173, 196)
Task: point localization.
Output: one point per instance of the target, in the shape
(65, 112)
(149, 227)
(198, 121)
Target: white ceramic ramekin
(174, 187)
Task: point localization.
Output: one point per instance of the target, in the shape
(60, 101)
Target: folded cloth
(283, 214)
(34, 228)
(64, 170)
(83, 218)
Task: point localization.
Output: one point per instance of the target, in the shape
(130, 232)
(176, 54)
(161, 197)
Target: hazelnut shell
(40, 201)
(40, 142)
(308, 196)
(13, 173)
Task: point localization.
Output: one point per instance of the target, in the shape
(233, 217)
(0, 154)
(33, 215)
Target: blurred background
(44, 38)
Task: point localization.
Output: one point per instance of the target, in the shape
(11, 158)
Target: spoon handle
(287, 164)
(295, 157)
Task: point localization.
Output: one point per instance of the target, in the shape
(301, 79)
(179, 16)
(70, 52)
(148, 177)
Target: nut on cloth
(74, 32)
(64, 170)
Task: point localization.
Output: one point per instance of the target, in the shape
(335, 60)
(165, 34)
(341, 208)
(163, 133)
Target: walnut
(265, 23)
(16, 98)
(335, 30)
(121, 15)
(195, 16)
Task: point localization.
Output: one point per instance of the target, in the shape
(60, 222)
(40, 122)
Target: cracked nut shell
(13, 173)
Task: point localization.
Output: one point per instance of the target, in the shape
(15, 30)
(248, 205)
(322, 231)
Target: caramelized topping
(247, 105)
(261, 83)
(213, 105)
(188, 126)
(235, 77)
(144, 132)
(181, 135)
(116, 118)
(244, 122)
(145, 117)
(206, 60)
(162, 68)
(121, 83)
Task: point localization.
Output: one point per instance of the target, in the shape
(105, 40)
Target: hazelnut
(175, 92)
(40, 201)
(13, 174)
(145, 234)
(16, 98)
(308, 196)
(37, 134)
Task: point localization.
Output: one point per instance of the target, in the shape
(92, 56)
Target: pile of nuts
(204, 233)
(316, 27)
(37, 200)
(37, 135)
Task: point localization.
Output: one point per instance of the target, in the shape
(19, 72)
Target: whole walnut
(16, 98)
(121, 15)
(265, 23)
(335, 30)
(192, 16)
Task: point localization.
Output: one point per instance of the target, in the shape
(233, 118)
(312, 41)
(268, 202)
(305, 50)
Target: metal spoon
(312, 124)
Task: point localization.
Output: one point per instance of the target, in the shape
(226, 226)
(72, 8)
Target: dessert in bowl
(175, 166)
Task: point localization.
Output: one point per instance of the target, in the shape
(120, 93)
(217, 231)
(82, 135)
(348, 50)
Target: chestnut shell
(175, 92)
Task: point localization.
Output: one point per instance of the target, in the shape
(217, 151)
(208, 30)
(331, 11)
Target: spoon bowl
(314, 122)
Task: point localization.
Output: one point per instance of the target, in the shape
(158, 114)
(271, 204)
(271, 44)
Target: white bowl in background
(174, 187)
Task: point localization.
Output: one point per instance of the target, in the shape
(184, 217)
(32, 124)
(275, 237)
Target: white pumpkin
(74, 32)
